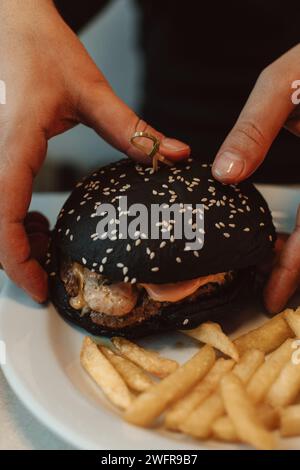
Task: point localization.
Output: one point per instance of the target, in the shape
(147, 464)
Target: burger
(127, 270)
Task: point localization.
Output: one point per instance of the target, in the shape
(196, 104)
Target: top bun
(238, 228)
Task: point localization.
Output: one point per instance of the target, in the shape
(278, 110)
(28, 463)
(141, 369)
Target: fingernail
(173, 144)
(228, 165)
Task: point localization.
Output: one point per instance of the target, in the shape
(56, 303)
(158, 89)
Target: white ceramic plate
(43, 362)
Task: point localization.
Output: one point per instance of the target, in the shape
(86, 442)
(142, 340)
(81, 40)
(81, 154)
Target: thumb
(263, 116)
(113, 120)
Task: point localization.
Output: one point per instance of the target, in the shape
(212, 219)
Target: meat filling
(119, 304)
(92, 291)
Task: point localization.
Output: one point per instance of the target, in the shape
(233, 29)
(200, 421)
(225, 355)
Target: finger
(35, 222)
(264, 114)
(39, 242)
(266, 266)
(293, 127)
(16, 177)
(35, 227)
(293, 122)
(285, 277)
(113, 120)
(35, 218)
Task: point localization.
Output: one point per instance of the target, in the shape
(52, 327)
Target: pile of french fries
(246, 390)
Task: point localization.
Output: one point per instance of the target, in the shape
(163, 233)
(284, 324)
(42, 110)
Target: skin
(51, 66)
(268, 109)
(52, 85)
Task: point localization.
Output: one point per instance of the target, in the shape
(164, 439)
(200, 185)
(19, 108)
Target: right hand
(52, 84)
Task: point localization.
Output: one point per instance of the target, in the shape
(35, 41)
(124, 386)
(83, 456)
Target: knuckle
(97, 84)
(89, 90)
(251, 131)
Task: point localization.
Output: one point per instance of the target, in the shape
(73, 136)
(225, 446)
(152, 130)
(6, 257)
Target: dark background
(201, 60)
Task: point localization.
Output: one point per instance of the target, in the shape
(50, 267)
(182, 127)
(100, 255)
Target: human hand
(52, 85)
(269, 108)
(285, 275)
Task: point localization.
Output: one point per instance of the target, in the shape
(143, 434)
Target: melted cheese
(171, 292)
(174, 292)
(78, 302)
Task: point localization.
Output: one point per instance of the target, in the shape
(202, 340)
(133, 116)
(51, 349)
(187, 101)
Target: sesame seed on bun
(236, 234)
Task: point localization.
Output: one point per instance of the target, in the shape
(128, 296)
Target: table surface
(19, 428)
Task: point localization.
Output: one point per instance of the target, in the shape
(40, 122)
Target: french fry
(242, 399)
(243, 414)
(212, 334)
(150, 361)
(269, 416)
(104, 374)
(248, 365)
(268, 372)
(290, 421)
(267, 337)
(134, 376)
(292, 317)
(183, 407)
(224, 430)
(150, 404)
(286, 387)
(199, 422)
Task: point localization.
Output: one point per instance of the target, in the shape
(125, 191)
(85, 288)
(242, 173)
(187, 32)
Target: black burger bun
(238, 234)
(237, 222)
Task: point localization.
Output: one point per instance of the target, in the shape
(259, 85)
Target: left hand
(269, 108)
(38, 233)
